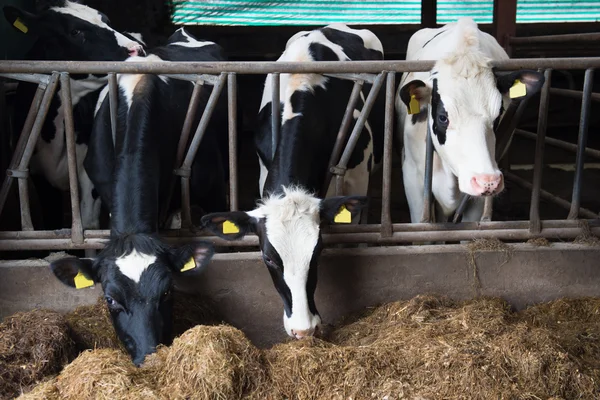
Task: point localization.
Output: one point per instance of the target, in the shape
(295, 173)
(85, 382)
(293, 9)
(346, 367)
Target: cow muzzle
(135, 50)
(300, 334)
(487, 184)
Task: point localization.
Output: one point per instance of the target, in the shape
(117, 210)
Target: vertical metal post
(275, 113)
(535, 225)
(185, 170)
(488, 209)
(428, 13)
(23, 139)
(388, 132)
(65, 98)
(584, 123)
(428, 178)
(505, 22)
(232, 115)
(113, 97)
(342, 135)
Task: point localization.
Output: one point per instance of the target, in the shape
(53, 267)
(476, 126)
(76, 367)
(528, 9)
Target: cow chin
(300, 328)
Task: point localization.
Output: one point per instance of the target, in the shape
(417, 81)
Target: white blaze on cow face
(290, 247)
(465, 102)
(134, 264)
(95, 18)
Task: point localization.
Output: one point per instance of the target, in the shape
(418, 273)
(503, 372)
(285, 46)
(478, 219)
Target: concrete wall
(349, 281)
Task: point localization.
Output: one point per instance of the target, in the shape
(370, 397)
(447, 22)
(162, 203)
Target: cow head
(136, 273)
(288, 227)
(466, 99)
(71, 31)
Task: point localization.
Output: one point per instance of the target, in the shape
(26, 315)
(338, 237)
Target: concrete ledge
(349, 281)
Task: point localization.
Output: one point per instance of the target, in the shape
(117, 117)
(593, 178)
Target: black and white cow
(67, 30)
(288, 218)
(131, 171)
(462, 100)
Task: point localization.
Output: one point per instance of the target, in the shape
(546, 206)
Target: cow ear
(525, 83)
(20, 20)
(192, 258)
(342, 209)
(416, 88)
(229, 225)
(75, 272)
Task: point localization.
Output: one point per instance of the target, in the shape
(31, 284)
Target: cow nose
(487, 184)
(299, 334)
(135, 50)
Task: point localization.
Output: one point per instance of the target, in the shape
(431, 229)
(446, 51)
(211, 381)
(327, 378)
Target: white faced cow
(461, 99)
(288, 219)
(131, 172)
(67, 30)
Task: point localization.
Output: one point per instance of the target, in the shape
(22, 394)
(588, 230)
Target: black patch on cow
(95, 194)
(353, 45)
(438, 114)
(420, 117)
(320, 52)
(436, 35)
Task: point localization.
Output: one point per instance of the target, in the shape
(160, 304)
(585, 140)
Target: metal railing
(220, 74)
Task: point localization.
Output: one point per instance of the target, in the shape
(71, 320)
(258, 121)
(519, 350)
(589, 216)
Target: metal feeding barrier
(47, 75)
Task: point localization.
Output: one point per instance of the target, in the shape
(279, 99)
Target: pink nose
(487, 184)
(298, 334)
(135, 50)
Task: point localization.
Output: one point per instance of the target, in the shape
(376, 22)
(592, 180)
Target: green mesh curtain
(368, 12)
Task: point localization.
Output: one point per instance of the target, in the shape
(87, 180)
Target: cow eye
(75, 32)
(443, 119)
(113, 305)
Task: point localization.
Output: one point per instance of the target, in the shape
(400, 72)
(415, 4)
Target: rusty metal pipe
(554, 39)
(574, 94)
(558, 143)
(232, 116)
(428, 177)
(65, 98)
(584, 123)
(342, 135)
(388, 138)
(534, 210)
(275, 113)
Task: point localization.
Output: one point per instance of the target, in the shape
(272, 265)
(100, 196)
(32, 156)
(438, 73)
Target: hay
(208, 362)
(586, 237)
(91, 327)
(33, 345)
(44, 391)
(540, 242)
(190, 310)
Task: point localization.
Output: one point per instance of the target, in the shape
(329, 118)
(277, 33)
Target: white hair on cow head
(292, 203)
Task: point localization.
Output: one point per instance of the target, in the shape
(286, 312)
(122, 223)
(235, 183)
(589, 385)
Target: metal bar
(558, 143)
(342, 135)
(428, 178)
(205, 78)
(275, 113)
(182, 146)
(186, 218)
(360, 122)
(232, 115)
(26, 223)
(113, 98)
(506, 128)
(584, 123)
(548, 196)
(574, 94)
(488, 209)
(464, 200)
(328, 239)
(355, 77)
(505, 22)
(534, 210)
(428, 13)
(65, 98)
(267, 67)
(553, 39)
(40, 79)
(20, 146)
(388, 138)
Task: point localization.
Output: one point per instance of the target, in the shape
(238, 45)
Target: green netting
(368, 12)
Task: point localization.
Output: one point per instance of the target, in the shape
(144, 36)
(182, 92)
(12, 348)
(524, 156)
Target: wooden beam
(428, 13)
(505, 22)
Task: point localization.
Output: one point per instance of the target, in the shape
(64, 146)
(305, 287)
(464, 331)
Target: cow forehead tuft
(292, 203)
(134, 264)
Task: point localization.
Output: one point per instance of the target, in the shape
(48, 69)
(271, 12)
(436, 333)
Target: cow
(288, 218)
(67, 30)
(461, 101)
(131, 172)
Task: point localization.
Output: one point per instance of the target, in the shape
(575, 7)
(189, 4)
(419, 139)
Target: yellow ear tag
(191, 264)
(518, 89)
(230, 227)
(413, 105)
(20, 25)
(343, 216)
(82, 282)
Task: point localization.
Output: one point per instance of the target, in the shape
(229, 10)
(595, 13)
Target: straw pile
(92, 328)
(32, 345)
(425, 348)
